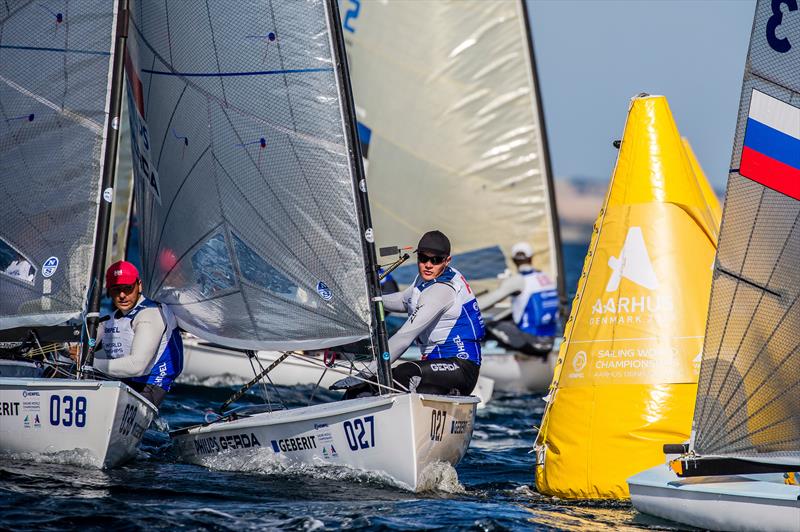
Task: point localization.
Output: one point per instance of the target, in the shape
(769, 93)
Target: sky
(594, 55)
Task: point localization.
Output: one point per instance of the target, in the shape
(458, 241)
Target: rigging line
(59, 50)
(327, 145)
(79, 119)
(236, 74)
(216, 52)
(730, 309)
(362, 379)
(280, 202)
(294, 123)
(762, 290)
(172, 203)
(772, 82)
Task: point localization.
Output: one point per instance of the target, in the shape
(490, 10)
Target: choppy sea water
(491, 489)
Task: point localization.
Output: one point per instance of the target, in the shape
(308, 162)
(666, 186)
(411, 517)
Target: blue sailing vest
(118, 340)
(535, 309)
(459, 331)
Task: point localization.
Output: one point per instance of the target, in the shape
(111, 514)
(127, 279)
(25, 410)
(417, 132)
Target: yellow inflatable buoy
(626, 377)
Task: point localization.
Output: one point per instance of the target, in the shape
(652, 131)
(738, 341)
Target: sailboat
(253, 181)
(739, 470)
(452, 131)
(58, 144)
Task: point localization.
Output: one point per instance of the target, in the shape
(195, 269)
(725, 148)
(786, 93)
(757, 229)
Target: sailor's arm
(396, 302)
(433, 302)
(148, 328)
(510, 287)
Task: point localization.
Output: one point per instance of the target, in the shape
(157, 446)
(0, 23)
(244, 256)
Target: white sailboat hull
(513, 372)
(399, 436)
(92, 423)
(736, 502)
(214, 365)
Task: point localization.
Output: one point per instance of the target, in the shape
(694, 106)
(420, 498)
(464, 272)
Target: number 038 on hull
(94, 423)
(397, 435)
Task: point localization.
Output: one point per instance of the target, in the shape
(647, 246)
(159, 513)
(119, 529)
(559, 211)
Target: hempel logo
(633, 263)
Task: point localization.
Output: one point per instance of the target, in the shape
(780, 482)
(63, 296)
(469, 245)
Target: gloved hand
(349, 382)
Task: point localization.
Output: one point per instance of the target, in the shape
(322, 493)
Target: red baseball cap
(121, 272)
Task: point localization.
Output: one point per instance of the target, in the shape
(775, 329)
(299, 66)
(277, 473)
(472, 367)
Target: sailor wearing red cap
(140, 343)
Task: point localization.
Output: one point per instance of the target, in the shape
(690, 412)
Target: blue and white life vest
(535, 309)
(459, 330)
(117, 341)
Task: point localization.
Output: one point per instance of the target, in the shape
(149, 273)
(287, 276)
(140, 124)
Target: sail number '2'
(779, 44)
(74, 411)
(351, 14)
(438, 421)
(357, 435)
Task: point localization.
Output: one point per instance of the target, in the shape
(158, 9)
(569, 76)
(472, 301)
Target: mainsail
(55, 82)
(747, 401)
(450, 123)
(246, 193)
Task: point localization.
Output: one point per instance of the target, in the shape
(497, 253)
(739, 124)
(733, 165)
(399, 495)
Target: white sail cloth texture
(749, 387)
(449, 126)
(54, 98)
(244, 183)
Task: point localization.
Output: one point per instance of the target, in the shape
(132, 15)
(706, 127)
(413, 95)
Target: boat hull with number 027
(400, 436)
(87, 422)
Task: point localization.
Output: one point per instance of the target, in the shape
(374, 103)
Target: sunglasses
(435, 260)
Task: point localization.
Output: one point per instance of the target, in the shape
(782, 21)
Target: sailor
(443, 319)
(141, 343)
(534, 307)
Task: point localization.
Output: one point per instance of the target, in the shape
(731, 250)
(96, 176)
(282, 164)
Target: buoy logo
(579, 361)
(633, 263)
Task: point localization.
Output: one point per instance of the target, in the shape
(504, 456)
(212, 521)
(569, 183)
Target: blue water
(493, 489)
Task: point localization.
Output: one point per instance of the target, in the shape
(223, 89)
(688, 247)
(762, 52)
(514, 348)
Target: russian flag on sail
(771, 151)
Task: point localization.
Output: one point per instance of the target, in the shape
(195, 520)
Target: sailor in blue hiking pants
(443, 319)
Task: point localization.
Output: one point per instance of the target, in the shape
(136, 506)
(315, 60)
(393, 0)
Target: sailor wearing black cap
(443, 319)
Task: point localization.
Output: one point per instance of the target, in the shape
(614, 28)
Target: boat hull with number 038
(95, 423)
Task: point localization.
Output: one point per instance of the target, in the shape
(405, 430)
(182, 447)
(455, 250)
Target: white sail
(747, 402)
(451, 128)
(245, 180)
(54, 103)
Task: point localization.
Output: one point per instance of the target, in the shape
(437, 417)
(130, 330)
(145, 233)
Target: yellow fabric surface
(626, 378)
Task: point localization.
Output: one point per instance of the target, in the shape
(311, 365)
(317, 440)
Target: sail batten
(749, 386)
(251, 225)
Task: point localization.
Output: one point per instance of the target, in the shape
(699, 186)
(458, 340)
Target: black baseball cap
(435, 243)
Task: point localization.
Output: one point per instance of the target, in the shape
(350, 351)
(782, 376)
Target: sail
(54, 100)
(451, 128)
(747, 399)
(122, 204)
(626, 379)
(245, 186)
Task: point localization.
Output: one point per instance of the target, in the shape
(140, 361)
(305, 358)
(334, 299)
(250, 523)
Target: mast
(551, 192)
(380, 339)
(106, 184)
